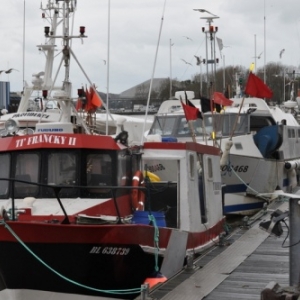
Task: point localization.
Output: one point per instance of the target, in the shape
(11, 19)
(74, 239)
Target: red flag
(92, 101)
(79, 104)
(96, 100)
(255, 87)
(191, 112)
(219, 98)
(88, 105)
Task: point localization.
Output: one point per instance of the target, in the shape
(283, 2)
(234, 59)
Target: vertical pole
(294, 211)
(24, 48)
(255, 53)
(201, 76)
(107, 66)
(170, 68)
(283, 85)
(214, 58)
(207, 81)
(212, 38)
(224, 87)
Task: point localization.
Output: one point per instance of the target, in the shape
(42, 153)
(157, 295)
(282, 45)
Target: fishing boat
(83, 215)
(36, 105)
(259, 146)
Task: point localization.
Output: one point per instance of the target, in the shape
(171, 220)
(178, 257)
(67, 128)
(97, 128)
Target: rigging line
(24, 48)
(153, 71)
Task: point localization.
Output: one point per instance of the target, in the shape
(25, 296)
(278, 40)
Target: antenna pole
(107, 68)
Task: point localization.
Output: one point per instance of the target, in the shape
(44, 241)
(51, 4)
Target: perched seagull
(10, 70)
(281, 52)
(186, 62)
(188, 38)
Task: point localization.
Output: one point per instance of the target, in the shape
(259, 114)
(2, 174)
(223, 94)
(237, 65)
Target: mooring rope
(118, 292)
(156, 240)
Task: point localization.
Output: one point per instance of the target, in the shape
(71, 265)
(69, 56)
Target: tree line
(281, 79)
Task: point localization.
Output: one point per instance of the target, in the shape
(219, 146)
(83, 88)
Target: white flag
(220, 44)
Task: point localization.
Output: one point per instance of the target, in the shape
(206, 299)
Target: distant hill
(142, 88)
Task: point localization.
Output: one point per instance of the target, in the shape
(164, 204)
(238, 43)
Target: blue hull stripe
(242, 207)
(235, 188)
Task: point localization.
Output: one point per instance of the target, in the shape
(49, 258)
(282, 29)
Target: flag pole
(236, 118)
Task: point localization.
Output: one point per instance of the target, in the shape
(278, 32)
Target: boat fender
(153, 177)
(137, 195)
(292, 177)
(224, 158)
(293, 164)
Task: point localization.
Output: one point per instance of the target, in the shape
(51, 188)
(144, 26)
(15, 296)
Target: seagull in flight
(10, 70)
(281, 52)
(188, 38)
(259, 56)
(186, 62)
(199, 60)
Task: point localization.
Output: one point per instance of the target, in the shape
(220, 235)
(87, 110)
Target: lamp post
(210, 34)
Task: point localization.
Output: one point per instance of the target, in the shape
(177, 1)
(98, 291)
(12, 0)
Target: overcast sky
(134, 33)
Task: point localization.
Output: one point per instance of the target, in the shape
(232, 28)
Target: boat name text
(228, 168)
(158, 167)
(45, 138)
(31, 114)
(110, 250)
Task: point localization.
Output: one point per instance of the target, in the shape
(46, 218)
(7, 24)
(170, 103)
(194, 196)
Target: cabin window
(299, 133)
(62, 168)
(191, 166)
(226, 123)
(124, 169)
(99, 173)
(184, 128)
(163, 126)
(209, 168)
(27, 169)
(4, 173)
(258, 122)
(291, 133)
(238, 146)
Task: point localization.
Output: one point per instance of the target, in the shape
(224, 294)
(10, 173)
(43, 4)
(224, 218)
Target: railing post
(294, 211)
(145, 291)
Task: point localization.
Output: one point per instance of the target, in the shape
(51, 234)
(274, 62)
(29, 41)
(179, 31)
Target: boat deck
(240, 269)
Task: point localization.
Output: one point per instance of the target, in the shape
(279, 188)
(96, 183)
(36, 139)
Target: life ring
(137, 195)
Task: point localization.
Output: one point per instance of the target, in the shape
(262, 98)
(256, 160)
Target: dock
(240, 268)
